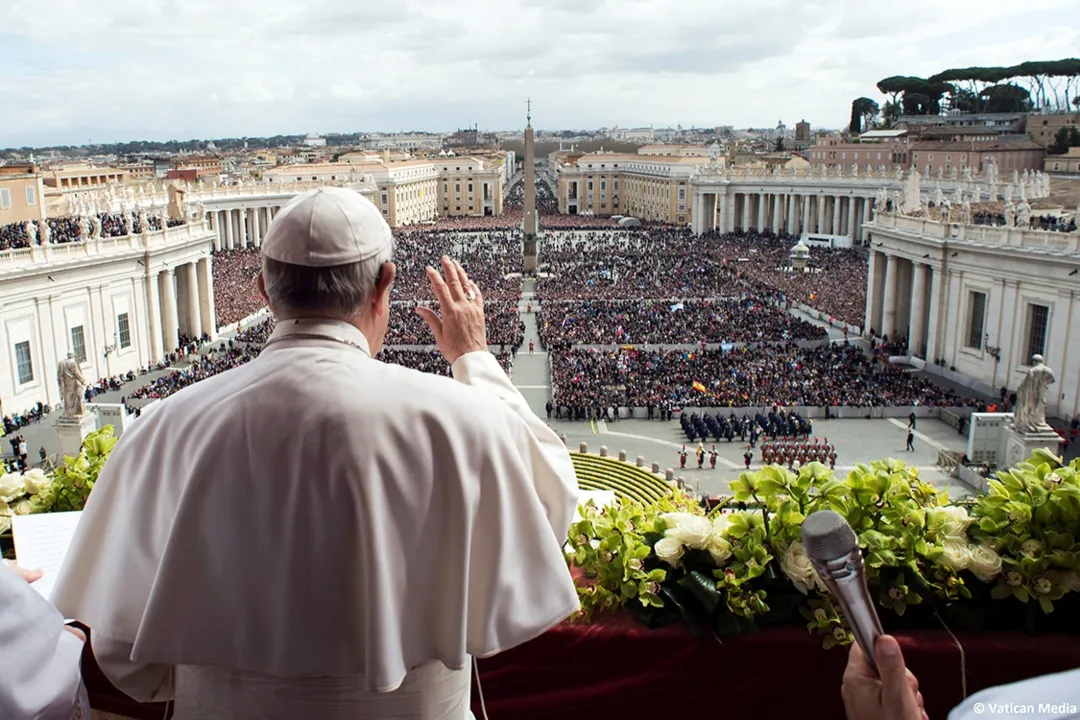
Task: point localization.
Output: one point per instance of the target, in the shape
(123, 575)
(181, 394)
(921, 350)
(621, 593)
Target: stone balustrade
(104, 246)
(987, 235)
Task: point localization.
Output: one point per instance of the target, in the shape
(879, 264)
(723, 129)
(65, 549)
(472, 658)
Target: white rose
(692, 531)
(23, 507)
(796, 565)
(720, 524)
(957, 555)
(949, 523)
(719, 548)
(11, 486)
(984, 562)
(669, 550)
(34, 480)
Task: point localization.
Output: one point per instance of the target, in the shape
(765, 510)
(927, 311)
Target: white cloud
(128, 69)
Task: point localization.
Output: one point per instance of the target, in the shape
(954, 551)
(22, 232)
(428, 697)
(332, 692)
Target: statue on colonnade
(1010, 213)
(992, 171)
(1030, 413)
(44, 232)
(855, 170)
(72, 384)
(1023, 214)
(84, 228)
(95, 227)
(939, 197)
(31, 232)
(965, 212)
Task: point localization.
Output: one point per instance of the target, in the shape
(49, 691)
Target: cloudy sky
(109, 70)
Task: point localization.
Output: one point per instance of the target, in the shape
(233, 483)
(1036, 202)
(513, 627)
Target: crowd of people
(67, 229)
(664, 262)
(492, 259)
(504, 325)
(432, 361)
(235, 294)
(1052, 223)
(747, 318)
(784, 375)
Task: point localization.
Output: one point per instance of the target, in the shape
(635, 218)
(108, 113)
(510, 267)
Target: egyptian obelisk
(529, 224)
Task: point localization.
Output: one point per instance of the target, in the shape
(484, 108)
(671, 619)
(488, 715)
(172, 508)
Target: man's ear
(383, 283)
(260, 284)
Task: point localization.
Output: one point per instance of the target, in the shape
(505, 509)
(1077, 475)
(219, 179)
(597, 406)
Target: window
(457, 187)
(1038, 316)
(977, 315)
(590, 184)
(384, 198)
(948, 158)
(930, 157)
(78, 343)
(5, 198)
(857, 156)
(31, 195)
(470, 187)
(125, 330)
(603, 184)
(682, 193)
(1056, 166)
(615, 187)
(23, 365)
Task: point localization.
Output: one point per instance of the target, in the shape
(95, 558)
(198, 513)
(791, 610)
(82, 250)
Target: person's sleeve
(553, 474)
(139, 681)
(40, 660)
(1056, 697)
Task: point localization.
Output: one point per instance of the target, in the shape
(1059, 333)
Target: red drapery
(616, 668)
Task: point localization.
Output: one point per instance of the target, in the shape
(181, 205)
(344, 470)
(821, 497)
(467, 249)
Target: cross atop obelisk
(529, 223)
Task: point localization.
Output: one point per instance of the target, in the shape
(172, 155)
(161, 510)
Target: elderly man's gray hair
(338, 290)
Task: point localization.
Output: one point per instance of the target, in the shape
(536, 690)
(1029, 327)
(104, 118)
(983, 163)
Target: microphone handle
(853, 596)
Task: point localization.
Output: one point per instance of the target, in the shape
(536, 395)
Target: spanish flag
(698, 386)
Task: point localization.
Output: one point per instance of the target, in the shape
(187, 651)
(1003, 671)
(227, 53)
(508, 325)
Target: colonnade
(238, 228)
(783, 211)
(181, 302)
(902, 299)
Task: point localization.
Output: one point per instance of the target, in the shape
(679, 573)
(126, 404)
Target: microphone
(833, 549)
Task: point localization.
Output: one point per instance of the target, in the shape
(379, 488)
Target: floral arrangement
(1003, 559)
(65, 488)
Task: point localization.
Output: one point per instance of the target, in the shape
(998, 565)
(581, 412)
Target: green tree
(779, 145)
(1006, 98)
(1064, 139)
(863, 112)
(890, 113)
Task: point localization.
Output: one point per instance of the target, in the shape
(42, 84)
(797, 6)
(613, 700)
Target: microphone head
(826, 536)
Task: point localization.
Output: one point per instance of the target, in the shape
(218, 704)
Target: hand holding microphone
(877, 684)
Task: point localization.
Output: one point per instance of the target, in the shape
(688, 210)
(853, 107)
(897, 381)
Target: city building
(470, 185)
(314, 140)
(408, 142)
(1067, 163)
(999, 123)
(803, 140)
(117, 305)
(897, 149)
(653, 187)
(204, 165)
(674, 150)
(979, 301)
(22, 194)
(1044, 128)
(80, 176)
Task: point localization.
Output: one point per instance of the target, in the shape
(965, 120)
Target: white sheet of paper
(41, 543)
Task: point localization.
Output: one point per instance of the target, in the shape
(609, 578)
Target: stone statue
(44, 232)
(1016, 177)
(869, 170)
(993, 193)
(1024, 191)
(1030, 413)
(72, 384)
(940, 174)
(1009, 193)
(952, 173)
(144, 222)
(966, 174)
(925, 206)
(31, 232)
(854, 169)
(84, 228)
(946, 212)
(958, 196)
(95, 227)
(882, 199)
(965, 212)
(939, 197)
(1023, 215)
(1010, 214)
(992, 172)
(898, 172)
(912, 191)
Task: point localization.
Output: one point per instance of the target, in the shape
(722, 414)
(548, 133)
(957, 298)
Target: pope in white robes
(39, 661)
(317, 533)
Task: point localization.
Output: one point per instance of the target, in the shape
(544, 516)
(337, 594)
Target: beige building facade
(22, 194)
(470, 186)
(81, 176)
(652, 188)
(1067, 163)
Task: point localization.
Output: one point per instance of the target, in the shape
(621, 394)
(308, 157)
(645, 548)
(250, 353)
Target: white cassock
(319, 534)
(39, 660)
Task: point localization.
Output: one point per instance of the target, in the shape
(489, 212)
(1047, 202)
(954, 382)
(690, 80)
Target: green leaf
(703, 589)
(1046, 605)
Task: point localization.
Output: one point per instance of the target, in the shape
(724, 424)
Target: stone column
(933, 289)
(850, 229)
(256, 228)
(226, 225)
(170, 318)
(745, 212)
(721, 213)
(819, 223)
(888, 316)
(835, 228)
(789, 228)
(698, 215)
(194, 321)
(153, 286)
(776, 205)
(871, 291)
(207, 311)
(917, 325)
(762, 211)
